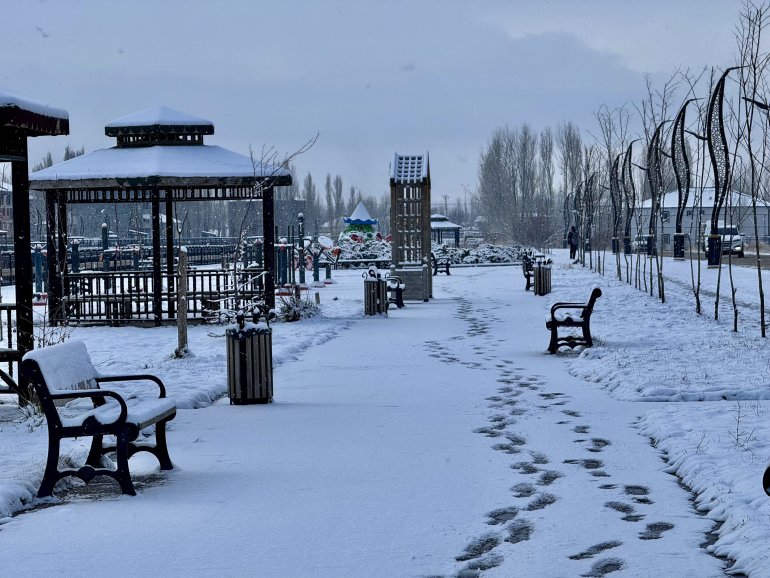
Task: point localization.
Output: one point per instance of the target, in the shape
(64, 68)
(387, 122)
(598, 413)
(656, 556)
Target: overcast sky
(372, 77)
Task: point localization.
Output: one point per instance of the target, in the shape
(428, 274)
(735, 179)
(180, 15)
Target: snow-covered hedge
(484, 253)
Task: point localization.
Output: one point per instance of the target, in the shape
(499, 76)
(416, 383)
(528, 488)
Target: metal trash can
(249, 364)
(375, 293)
(542, 275)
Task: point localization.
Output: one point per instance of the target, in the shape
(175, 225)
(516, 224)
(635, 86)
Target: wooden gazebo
(441, 227)
(21, 118)
(160, 158)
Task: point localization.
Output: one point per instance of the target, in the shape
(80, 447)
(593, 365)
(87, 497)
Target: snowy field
(438, 441)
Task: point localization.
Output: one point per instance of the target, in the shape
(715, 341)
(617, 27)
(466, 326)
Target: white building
(736, 211)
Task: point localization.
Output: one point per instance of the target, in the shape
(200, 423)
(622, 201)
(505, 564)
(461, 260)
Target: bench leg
(96, 452)
(553, 345)
(587, 335)
(161, 448)
(51, 474)
(122, 474)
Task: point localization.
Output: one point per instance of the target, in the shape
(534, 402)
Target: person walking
(572, 241)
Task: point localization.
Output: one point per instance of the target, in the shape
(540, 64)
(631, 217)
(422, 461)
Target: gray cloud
(372, 78)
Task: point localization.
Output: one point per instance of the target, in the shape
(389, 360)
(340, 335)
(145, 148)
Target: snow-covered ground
(439, 441)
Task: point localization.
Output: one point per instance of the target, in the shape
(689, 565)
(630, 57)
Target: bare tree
(753, 81)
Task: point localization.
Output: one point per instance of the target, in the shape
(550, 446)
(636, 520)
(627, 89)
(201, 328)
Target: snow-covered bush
(292, 308)
(484, 253)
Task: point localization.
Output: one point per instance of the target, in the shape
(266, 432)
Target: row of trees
(705, 130)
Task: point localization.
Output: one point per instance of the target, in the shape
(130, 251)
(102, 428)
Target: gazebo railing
(124, 297)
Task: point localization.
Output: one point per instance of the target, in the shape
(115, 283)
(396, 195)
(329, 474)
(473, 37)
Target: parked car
(639, 244)
(731, 240)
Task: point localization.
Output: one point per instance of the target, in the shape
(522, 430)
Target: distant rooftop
(705, 197)
(360, 216)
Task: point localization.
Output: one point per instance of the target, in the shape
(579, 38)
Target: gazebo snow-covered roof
(360, 216)
(438, 221)
(34, 118)
(156, 116)
(162, 148)
(155, 166)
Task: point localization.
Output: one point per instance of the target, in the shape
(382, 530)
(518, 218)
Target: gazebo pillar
(61, 204)
(21, 249)
(268, 230)
(53, 281)
(170, 278)
(157, 284)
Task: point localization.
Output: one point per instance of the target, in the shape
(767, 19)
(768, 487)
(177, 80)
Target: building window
(666, 239)
(665, 215)
(688, 212)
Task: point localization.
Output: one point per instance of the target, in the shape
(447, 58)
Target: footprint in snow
(626, 509)
(587, 464)
(604, 567)
(596, 549)
(519, 531)
(598, 445)
(525, 468)
(474, 568)
(523, 490)
(655, 530)
(638, 494)
(549, 477)
(541, 501)
(479, 547)
(502, 515)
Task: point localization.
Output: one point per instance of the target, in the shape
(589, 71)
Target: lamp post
(301, 264)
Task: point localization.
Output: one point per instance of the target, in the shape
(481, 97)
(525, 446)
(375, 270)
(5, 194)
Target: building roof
(410, 168)
(670, 200)
(360, 216)
(438, 221)
(30, 116)
(154, 165)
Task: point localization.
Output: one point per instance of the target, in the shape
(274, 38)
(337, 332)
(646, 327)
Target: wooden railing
(121, 297)
(9, 352)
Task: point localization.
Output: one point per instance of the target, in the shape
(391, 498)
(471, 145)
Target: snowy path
(580, 470)
(459, 445)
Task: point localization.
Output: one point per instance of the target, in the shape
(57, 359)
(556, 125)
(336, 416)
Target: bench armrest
(135, 377)
(93, 394)
(568, 306)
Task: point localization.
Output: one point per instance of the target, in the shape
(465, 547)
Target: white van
(731, 239)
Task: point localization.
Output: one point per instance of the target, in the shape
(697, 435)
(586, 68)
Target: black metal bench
(577, 316)
(395, 288)
(439, 263)
(527, 267)
(64, 372)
